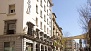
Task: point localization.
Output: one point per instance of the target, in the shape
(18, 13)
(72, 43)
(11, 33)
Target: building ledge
(28, 37)
(9, 14)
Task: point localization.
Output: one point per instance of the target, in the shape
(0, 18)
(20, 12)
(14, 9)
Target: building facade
(25, 25)
(56, 34)
(77, 46)
(89, 34)
(70, 45)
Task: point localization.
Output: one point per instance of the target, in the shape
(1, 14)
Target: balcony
(50, 42)
(54, 37)
(30, 28)
(45, 38)
(41, 34)
(29, 36)
(37, 34)
(42, 37)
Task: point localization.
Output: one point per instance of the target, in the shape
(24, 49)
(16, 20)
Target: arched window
(37, 47)
(42, 48)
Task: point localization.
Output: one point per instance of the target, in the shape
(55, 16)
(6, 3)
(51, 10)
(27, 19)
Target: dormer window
(12, 8)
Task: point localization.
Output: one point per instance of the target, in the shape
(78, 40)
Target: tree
(63, 42)
(85, 15)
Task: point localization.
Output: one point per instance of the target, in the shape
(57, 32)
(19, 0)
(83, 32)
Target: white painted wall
(21, 15)
(32, 16)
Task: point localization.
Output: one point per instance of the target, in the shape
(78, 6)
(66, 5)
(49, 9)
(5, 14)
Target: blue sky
(68, 16)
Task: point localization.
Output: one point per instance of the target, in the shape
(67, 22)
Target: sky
(67, 15)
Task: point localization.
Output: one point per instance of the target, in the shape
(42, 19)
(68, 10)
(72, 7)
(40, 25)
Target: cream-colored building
(57, 34)
(70, 45)
(25, 25)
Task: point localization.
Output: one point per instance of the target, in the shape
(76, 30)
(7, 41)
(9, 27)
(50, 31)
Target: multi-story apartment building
(25, 25)
(70, 45)
(57, 34)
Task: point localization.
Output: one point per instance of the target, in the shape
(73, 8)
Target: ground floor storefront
(21, 43)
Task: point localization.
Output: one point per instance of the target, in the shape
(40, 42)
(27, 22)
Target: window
(37, 47)
(47, 21)
(9, 46)
(42, 48)
(56, 48)
(29, 47)
(37, 0)
(44, 28)
(41, 3)
(36, 9)
(12, 8)
(10, 27)
(49, 49)
(44, 0)
(41, 14)
(50, 15)
(47, 30)
(36, 21)
(44, 8)
(40, 25)
(44, 18)
(47, 3)
(37, 33)
(50, 23)
(45, 48)
(47, 12)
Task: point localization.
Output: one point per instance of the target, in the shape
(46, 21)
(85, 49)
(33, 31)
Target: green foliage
(57, 42)
(64, 41)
